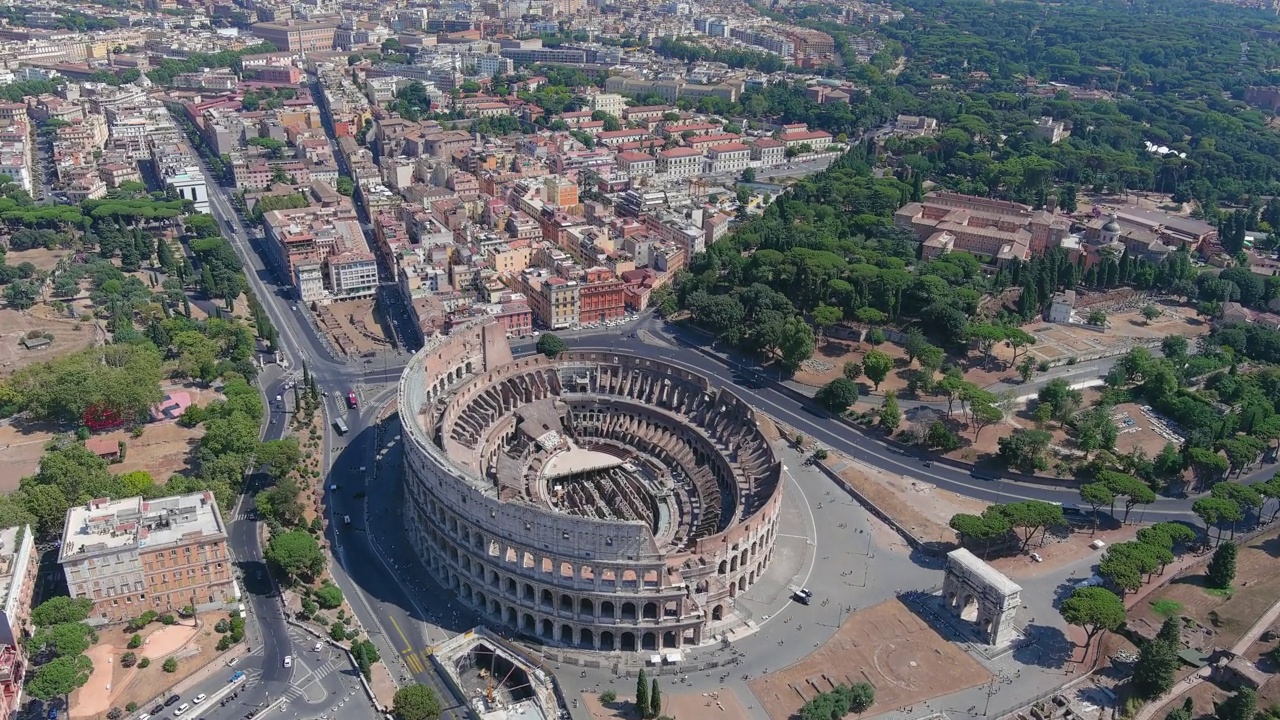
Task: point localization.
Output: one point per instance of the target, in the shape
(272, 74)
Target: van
(243, 613)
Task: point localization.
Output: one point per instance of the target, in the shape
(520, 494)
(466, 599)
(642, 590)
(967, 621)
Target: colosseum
(599, 501)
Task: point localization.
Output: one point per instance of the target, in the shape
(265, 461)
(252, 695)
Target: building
(635, 164)
(298, 37)
(768, 152)
(309, 281)
(134, 555)
(680, 162)
(19, 567)
(352, 275)
(611, 103)
(601, 297)
(1062, 307)
(728, 158)
(993, 229)
(1051, 131)
(528, 492)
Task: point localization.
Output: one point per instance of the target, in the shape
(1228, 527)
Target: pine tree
(186, 306)
(642, 694)
(1222, 568)
(655, 700)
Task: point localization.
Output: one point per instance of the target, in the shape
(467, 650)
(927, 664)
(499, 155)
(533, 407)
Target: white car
(232, 662)
(199, 698)
(288, 661)
(319, 646)
(181, 709)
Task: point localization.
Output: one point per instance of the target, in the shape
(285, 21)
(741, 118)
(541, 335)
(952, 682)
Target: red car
(351, 399)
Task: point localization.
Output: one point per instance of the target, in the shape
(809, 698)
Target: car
(1035, 557)
(804, 596)
(143, 716)
(198, 699)
(319, 646)
(279, 399)
(928, 463)
(295, 308)
(236, 677)
(288, 661)
(181, 709)
(171, 700)
(346, 519)
(157, 709)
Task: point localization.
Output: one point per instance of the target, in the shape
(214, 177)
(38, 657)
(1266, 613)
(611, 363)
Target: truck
(352, 402)
(340, 426)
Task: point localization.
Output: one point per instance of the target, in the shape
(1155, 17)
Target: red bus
(351, 399)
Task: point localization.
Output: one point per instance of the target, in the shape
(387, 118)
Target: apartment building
(768, 152)
(353, 275)
(635, 164)
(611, 103)
(601, 297)
(19, 567)
(133, 555)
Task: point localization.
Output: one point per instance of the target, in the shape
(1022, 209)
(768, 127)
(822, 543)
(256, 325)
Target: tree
(1174, 347)
(876, 365)
(824, 316)
(1157, 662)
(328, 596)
(655, 699)
(837, 395)
(1222, 567)
(60, 677)
(1131, 488)
(1243, 705)
(981, 415)
(416, 702)
(890, 414)
(1030, 517)
(65, 639)
(1096, 495)
(61, 609)
(1096, 317)
(852, 371)
(1024, 449)
(170, 665)
(21, 294)
(551, 345)
(1026, 369)
(1151, 312)
(642, 693)
(988, 527)
(366, 654)
(296, 552)
(748, 175)
(1212, 511)
(1095, 609)
(346, 186)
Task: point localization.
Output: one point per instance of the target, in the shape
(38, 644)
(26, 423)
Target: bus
(340, 426)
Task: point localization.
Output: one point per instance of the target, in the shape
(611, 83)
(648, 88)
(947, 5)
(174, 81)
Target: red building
(601, 297)
(516, 318)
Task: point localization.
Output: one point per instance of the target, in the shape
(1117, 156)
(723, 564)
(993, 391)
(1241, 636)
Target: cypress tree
(655, 700)
(642, 694)
(1222, 568)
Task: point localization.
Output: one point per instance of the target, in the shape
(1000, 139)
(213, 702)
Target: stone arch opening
(649, 641)
(566, 634)
(566, 604)
(608, 609)
(628, 642)
(526, 593)
(669, 639)
(628, 611)
(547, 598)
(586, 608)
(724, 568)
(650, 611)
(548, 629)
(969, 609)
(606, 640)
(717, 612)
(586, 638)
(511, 616)
(527, 624)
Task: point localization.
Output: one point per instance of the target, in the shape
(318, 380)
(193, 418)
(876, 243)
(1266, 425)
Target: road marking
(414, 663)
(408, 645)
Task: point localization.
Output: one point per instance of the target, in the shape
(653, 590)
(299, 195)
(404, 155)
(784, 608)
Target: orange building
(601, 297)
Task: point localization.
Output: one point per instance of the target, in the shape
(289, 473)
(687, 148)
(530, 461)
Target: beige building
(134, 555)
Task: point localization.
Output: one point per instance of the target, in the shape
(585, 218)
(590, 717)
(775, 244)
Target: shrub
(329, 596)
(144, 662)
(115, 713)
(128, 660)
(224, 643)
(222, 626)
(170, 665)
(608, 696)
(338, 632)
(131, 706)
(135, 642)
(168, 619)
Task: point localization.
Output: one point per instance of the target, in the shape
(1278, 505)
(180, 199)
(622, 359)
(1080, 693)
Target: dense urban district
(552, 359)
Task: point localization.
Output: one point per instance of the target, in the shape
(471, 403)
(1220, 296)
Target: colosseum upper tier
(599, 500)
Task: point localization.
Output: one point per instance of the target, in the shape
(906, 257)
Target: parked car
(199, 699)
(288, 661)
(171, 700)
